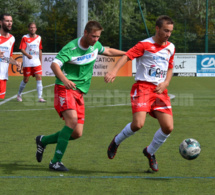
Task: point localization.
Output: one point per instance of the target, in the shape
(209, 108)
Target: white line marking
(13, 97)
(21, 110)
(102, 106)
(53, 108)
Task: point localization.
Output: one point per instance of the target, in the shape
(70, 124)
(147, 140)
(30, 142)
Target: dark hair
(93, 25)
(31, 24)
(161, 19)
(3, 15)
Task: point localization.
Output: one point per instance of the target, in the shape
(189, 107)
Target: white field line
(100, 106)
(13, 97)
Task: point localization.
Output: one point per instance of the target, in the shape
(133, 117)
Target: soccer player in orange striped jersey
(6, 50)
(154, 64)
(31, 48)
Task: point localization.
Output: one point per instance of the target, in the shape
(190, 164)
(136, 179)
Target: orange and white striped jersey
(32, 46)
(6, 46)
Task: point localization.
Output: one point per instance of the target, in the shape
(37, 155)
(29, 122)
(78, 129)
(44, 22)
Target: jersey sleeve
(136, 51)
(40, 45)
(171, 60)
(23, 44)
(100, 47)
(11, 52)
(65, 54)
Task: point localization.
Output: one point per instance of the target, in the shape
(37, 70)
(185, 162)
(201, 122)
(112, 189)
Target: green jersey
(78, 62)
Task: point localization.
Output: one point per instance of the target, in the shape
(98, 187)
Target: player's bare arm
(110, 76)
(59, 74)
(162, 86)
(26, 54)
(113, 52)
(18, 64)
(40, 56)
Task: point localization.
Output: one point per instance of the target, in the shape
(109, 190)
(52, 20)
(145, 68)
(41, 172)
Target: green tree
(107, 13)
(22, 12)
(61, 17)
(57, 21)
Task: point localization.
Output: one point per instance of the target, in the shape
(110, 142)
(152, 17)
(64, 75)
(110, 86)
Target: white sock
(39, 88)
(125, 133)
(21, 87)
(158, 139)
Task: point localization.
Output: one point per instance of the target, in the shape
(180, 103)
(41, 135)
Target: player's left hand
(160, 88)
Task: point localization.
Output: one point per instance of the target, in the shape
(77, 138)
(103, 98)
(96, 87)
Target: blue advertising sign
(205, 65)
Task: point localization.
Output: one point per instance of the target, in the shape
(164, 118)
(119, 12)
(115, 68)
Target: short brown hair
(31, 24)
(3, 15)
(93, 25)
(161, 19)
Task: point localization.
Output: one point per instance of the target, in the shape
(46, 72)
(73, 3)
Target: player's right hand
(69, 84)
(30, 56)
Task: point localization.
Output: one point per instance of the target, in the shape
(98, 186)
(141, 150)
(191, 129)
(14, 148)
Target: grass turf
(107, 112)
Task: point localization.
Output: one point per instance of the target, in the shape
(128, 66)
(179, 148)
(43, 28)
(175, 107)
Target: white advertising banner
(192, 64)
(185, 65)
(102, 65)
(46, 63)
(206, 65)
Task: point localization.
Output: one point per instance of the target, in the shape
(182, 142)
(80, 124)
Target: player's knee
(77, 135)
(136, 126)
(71, 122)
(25, 80)
(39, 78)
(168, 129)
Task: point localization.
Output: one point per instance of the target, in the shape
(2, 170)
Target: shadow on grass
(112, 172)
(11, 168)
(17, 166)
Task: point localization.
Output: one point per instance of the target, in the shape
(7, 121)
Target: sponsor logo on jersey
(4, 59)
(4, 48)
(88, 56)
(33, 46)
(159, 58)
(157, 72)
(74, 48)
(139, 105)
(92, 48)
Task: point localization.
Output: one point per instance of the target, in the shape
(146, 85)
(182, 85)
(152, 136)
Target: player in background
(6, 51)
(154, 64)
(31, 48)
(76, 59)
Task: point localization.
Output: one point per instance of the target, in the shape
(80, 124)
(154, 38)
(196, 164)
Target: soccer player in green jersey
(73, 68)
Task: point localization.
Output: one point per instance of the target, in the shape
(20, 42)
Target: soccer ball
(190, 149)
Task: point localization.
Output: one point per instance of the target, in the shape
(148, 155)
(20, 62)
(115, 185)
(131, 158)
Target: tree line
(57, 21)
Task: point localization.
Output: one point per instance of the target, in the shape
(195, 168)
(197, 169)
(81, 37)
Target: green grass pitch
(107, 112)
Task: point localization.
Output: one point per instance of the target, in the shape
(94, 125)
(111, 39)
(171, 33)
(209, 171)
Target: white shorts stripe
(163, 108)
